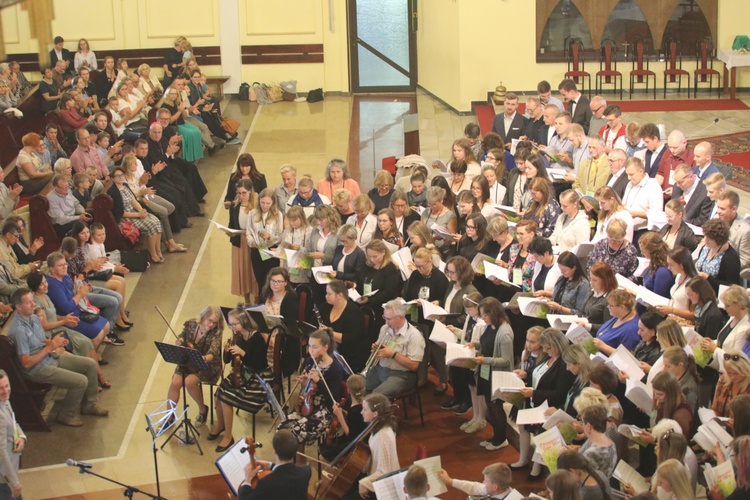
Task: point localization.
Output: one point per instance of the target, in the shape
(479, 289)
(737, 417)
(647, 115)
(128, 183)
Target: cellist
(286, 480)
(246, 354)
(313, 416)
(382, 442)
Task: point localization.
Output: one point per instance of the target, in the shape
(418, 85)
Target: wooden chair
(389, 164)
(41, 226)
(640, 71)
(672, 54)
(103, 205)
(576, 63)
(413, 393)
(608, 73)
(705, 53)
(26, 397)
(305, 295)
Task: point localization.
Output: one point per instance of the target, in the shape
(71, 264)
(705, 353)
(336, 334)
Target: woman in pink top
(337, 177)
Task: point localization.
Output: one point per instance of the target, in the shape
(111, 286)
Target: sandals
(105, 384)
(179, 248)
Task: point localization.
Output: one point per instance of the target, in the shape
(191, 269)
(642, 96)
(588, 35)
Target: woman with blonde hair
(577, 362)
(461, 152)
(572, 227)
(324, 238)
(85, 57)
(544, 209)
(611, 208)
(622, 327)
(295, 237)
(263, 232)
(676, 232)
(421, 237)
(616, 250)
(733, 336)
(672, 477)
(363, 219)
(239, 218)
(342, 200)
(32, 174)
(337, 177)
(149, 83)
(734, 382)
(381, 193)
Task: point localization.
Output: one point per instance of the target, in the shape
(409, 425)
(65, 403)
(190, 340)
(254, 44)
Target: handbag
(275, 92)
(135, 260)
(315, 95)
(230, 125)
(244, 93)
(103, 275)
(289, 90)
(88, 312)
(130, 231)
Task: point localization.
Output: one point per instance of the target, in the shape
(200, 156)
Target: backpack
(244, 94)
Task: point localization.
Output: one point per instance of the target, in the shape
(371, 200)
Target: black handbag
(88, 317)
(315, 95)
(104, 275)
(134, 260)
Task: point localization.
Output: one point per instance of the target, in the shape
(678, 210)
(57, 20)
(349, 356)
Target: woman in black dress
(348, 325)
(241, 390)
(352, 424)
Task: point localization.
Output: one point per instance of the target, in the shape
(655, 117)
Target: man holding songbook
(286, 480)
(496, 484)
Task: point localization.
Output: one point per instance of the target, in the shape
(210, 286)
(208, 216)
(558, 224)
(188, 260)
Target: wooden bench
(103, 205)
(41, 226)
(26, 397)
(219, 82)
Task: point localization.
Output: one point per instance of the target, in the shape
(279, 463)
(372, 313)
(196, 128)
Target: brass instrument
(373, 359)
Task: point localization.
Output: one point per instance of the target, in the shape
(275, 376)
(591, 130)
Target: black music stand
(185, 359)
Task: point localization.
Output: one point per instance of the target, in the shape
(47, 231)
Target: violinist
(204, 335)
(352, 424)
(382, 444)
(314, 413)
(287, 480)
(246, 353)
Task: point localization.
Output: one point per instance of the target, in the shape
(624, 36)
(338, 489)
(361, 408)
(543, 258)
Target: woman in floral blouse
(615, 250)
(521, 262)
(545, 209)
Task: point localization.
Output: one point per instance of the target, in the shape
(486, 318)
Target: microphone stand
(129, 490)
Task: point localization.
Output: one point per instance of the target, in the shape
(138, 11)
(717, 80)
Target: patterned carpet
(732, 151)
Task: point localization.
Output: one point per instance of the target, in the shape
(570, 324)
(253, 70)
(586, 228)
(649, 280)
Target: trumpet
(373, 359)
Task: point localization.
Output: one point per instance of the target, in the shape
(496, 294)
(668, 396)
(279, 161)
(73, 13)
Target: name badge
(366, 288)
(484, 372)
(391, 344)
(517, 276)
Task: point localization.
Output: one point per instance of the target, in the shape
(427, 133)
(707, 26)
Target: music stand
(185, 359)
(260, 320)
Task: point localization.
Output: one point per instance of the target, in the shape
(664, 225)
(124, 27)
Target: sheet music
(628, 475)
(431, 311)
(224, 229)
(559, 417)
(531, 416)
(643, 264)
(457, 354)
(625, 283)
(354, 294)
(390, 487)
(432, 466)
(232, 465)
(492, 270)
(625, 361)
(562, 321)
(403, 258)
(441, 335)
(506, 382)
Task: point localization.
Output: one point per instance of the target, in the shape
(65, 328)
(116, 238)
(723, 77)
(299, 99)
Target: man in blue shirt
(44, 361)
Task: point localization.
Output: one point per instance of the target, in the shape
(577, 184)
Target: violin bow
(323, 379)
(167, 322)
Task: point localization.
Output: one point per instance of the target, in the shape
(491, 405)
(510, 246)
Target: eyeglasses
(470, 227)
(278, 282)
(733, 357)
(234, 324)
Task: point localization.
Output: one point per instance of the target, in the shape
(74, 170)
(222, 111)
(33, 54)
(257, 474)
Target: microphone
(72, 463)
(696, 134)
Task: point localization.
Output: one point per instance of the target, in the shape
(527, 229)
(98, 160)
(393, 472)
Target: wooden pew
(103, 214)
(41, 226)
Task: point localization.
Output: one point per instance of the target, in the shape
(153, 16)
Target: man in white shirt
(496, 484)
(399, 357)
(715, 186)
(288, 188)
(548, 130)
(560, 144)
(703, 155)
(655, 149)
(618, 179)
(614, 132)
(739, 230)
(416, 485)
(643, 194)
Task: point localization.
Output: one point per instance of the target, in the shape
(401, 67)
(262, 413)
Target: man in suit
(534, 109)
(60, 53)
(618, 180)
(655, 149)
(287, 480)
(678, 153)
(597, 105)
(546, 131)
(509, 125)
(739, 230)
(578, 105)
(544, 91)
(12, 442)
(692, 192)
(704, 166)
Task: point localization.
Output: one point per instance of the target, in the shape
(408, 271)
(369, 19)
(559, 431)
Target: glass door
(382, 42)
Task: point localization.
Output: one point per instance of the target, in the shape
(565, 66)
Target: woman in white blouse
(148, 83)
(611, 207)
(377, 408)
(680, 263)
(734, 334)
(85, 57)
(263, 232)
(572, 227)
(363, 220)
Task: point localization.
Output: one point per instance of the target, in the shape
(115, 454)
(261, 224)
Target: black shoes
(453, 403)
(222, 449)
(463, 409)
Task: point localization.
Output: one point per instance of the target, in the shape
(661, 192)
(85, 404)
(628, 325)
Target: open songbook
(321, 274)
(298, 259)
(441, 335)
(562, 321)
(460, 355)
(549, 445)
(478, 262)
(633, 433)
(226, 230)
(391, 486)
(431, 311)
(402, 259)
(531, 416)
(628, 475)
(533, 307)
(640, 394)
(505, 382)
(579, 335)
(722, 476)
(492, 270)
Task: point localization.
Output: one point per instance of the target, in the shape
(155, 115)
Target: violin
(187, 342)
(306, 404)
(250, 448)
(334, 427)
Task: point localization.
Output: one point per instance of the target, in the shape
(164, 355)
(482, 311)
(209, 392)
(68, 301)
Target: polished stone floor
(307, 135)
